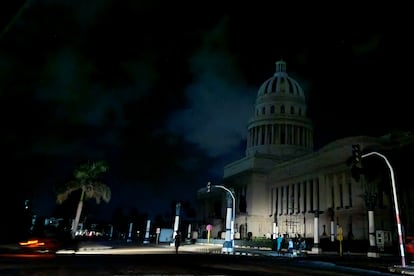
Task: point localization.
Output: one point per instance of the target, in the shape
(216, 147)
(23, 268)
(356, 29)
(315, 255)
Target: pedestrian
(177, 241)
(290, 246)
(279, 244)
(302, 246)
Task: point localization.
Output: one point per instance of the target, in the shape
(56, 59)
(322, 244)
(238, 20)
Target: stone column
(189, 231)
(279, 201)
(316, 249)
(302, 197)
(287, 190)
(316, 193)
(296, 195)
(332, 230)
(308, 196)
(177, 219)
(130, 233)
(147, 232)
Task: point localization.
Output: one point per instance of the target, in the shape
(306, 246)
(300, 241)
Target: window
(272, 109)
(282, 109)
(263, 110)
(292, 110)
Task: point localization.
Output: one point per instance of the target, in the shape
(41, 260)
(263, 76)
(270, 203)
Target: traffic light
(356, 169)
(208, 187)
(356, 154)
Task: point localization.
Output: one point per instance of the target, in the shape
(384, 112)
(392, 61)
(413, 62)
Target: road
(172, 264)
(95, 259)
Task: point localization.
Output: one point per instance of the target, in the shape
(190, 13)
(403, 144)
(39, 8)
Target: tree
(87, 179)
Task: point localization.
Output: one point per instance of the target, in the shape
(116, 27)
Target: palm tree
(87, 180)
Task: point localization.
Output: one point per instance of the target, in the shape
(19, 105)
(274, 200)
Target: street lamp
(209, 186)
(397, 212)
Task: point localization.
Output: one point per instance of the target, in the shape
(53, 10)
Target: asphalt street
(192, 259)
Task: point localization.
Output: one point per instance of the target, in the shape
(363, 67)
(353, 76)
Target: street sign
(340, 235)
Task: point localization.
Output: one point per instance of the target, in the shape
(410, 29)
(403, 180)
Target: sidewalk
(386, 263)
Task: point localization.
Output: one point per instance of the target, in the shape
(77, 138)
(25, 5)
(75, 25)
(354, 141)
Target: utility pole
(231, 215)
(357, 157)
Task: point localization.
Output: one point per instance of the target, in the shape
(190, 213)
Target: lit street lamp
(209, 186)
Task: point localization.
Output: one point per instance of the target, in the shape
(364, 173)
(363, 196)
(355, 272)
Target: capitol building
(283, 186)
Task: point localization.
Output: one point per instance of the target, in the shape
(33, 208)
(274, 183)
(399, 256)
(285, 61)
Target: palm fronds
(69, 188)
(86, 176)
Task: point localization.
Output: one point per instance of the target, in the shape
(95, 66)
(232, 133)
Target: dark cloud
(219, 100)
(70, 84)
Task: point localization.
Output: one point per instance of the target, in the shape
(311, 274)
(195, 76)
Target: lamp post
(233, 216)
(397, 212)
(209, 186)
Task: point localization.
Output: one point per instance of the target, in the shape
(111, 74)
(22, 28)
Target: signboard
(166, 235)
(340, 235)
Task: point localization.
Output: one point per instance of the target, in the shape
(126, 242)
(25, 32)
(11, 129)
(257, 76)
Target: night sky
(163, 91)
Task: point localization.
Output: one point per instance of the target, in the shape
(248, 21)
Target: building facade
(283, 186)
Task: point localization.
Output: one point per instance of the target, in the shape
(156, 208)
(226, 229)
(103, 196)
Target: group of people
(282, 242)
(297, 243)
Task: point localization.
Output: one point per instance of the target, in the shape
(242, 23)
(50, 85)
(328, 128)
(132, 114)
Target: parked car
(409, 245)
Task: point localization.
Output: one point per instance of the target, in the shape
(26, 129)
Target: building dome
(281, 83)
(280, 126)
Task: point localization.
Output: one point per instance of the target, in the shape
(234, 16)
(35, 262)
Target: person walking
(290, 247)
(177, 242)
(302, 246)
(279, 244)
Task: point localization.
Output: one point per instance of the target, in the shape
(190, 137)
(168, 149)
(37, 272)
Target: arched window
(282, 109)
(292, 110)
(263, 110)
(272, 109)
(300, 111)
